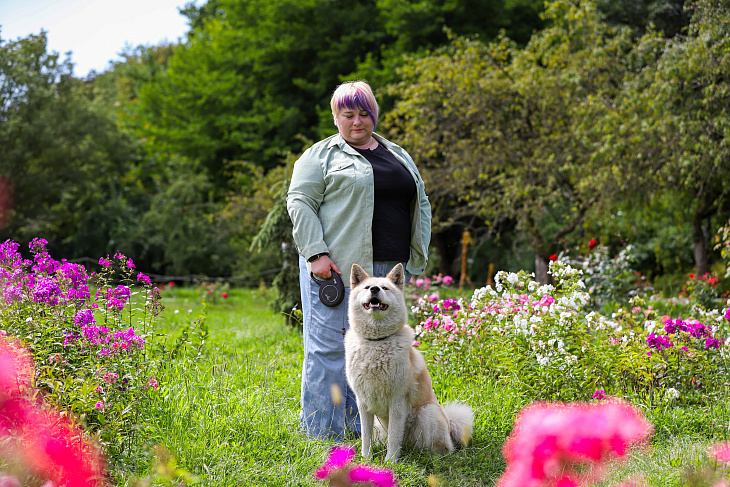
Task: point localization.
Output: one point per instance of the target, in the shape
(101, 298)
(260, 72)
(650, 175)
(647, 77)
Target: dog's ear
(397, 276)
(357, 275)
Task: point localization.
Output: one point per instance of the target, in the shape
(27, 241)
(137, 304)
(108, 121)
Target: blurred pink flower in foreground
(40, 440)
(721, 452)
(340, 473)
(566, 445)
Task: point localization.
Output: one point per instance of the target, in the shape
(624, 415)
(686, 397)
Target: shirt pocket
(341, 175)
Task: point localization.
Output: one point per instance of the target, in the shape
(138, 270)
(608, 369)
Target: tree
(62, 156)
(676, 113)
(504, 133)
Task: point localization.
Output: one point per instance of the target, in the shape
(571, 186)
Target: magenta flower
(99, 405)
(144, 278)
(727, 314)
(599, 394)
(376, 477)
(546, 300)
(568, 444)
(338, 465)
(659, 342)
(448, 280)
(339, 457)
(105, 262)
(46, 291)
(84, 317)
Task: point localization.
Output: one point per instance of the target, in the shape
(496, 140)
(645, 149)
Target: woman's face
(355, 126)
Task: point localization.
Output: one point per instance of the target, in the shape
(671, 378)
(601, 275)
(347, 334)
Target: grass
(228, 411)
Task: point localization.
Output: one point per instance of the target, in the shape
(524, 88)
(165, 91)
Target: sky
(95, 31)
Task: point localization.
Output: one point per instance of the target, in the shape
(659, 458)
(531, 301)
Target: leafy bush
(608, 279)
(88, 335)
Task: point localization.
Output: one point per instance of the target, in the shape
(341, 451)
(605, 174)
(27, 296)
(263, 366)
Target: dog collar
(377, 339)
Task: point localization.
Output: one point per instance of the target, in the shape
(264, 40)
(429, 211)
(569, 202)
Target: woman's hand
(321, 267)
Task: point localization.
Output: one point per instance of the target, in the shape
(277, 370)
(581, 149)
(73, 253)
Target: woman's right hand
(324, 266)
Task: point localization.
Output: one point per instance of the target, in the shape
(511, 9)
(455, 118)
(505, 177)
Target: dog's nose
(374, 290)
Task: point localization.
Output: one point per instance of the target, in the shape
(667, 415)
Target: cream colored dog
(389, 376)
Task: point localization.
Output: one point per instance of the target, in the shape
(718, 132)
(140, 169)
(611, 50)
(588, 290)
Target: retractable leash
(331, 291)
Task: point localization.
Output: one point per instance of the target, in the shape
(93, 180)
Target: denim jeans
(324, 361)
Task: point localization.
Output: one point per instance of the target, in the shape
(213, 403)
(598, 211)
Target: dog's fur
(389, 376)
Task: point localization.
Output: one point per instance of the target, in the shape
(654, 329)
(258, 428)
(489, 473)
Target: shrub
(545, 339)
(88, 336)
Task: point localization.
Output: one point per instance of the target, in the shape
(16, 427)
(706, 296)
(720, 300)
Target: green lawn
(228, 410)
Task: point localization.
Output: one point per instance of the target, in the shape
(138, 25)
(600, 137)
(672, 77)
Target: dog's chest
(378, 371)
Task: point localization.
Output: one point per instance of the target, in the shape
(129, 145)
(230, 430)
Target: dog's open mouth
(375, 305)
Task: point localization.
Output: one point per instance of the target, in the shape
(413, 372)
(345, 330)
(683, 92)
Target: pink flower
(99, 405)
(338, 458)
(546, 300)
(721, 452)
(550, 439)
(448, 280)
(152, 383)
(433, 297)
(110, 377)
(105, 262)
(599, 394)
(415, 343)
(378, 478)
(419, 282)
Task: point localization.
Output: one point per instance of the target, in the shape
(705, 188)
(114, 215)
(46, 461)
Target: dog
(389, 376)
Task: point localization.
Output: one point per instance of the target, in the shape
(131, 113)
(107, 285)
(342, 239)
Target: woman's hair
(355, 95)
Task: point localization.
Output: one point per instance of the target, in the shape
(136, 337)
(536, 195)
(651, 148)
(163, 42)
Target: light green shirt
(331, 200)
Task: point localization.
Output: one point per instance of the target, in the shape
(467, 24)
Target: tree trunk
(700, 248)
(541, 269)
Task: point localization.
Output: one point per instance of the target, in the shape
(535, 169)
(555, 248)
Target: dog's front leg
(367, 423)
(397, 416)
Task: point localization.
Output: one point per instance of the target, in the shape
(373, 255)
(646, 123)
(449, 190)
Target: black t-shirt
(394, 192)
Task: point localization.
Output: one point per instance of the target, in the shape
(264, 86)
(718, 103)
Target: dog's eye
(384, 288)
(367, 287)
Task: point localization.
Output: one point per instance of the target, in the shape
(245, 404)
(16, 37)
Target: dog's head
(377, 308)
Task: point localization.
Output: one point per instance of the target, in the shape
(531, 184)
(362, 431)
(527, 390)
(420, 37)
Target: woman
(354, 197)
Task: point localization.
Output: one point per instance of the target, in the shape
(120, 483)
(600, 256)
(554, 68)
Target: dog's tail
(461, 422)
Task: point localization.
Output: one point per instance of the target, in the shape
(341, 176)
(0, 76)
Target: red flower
(224, 295)
(171, 283)
(592, 244)
(691, 276)
(553, 257)
(712, 281)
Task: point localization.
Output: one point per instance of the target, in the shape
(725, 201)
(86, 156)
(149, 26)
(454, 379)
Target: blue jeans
(324, 361)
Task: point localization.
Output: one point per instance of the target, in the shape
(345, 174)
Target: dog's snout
(374, 290)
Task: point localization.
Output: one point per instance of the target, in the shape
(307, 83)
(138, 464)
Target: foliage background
(537, 127)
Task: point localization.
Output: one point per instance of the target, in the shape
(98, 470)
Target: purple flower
(451, 305)
(94, 333)
(46, 291)
(84, 317)
(12, 294)
(698, 330)
(727, 314)
(144, 278)
(674, 326)
(38, 245)
(712, 343)
(658, 342)
(9, 256)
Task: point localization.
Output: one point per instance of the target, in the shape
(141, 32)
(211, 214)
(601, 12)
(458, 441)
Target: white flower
(671, 394)
(650, 325)
(512, 278)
